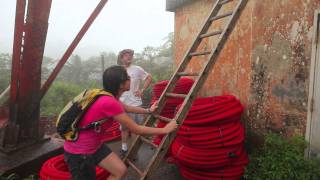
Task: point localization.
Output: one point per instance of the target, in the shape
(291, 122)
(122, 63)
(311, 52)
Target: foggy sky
(121, 24)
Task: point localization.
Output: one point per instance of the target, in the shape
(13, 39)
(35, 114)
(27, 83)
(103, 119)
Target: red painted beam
(72, 46)
(16, 57)
(25, 88)
(30, 72)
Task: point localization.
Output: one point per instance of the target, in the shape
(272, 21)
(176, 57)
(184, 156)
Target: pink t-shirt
(90, 140)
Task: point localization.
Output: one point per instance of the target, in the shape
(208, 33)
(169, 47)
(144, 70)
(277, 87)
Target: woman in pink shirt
(89, 150)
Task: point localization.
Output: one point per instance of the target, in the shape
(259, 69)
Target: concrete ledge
(29, 160)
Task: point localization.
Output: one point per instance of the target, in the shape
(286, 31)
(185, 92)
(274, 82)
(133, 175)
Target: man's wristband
(149, 111)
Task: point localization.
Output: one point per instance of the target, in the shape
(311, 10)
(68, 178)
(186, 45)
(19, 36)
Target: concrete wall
(265, 62)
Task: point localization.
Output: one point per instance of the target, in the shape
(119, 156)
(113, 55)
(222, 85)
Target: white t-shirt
(137, 75)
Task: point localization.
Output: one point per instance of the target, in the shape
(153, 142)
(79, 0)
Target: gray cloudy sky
(121, 24)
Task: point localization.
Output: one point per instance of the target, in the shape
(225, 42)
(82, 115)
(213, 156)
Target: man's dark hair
(113, 77)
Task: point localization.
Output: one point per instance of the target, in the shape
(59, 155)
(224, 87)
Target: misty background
(121, 24)
(142, 25)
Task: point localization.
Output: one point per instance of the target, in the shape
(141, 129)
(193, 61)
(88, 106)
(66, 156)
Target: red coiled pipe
(112, 133)
(209, 143)
(56, 169)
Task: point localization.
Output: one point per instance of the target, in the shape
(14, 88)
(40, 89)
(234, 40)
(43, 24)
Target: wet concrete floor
(164, 171)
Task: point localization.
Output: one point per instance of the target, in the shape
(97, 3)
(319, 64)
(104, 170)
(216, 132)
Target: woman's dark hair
(113, 77)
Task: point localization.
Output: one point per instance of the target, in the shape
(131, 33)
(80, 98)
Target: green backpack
(69, 118)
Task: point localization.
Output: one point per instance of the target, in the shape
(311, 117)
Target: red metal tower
(21, 127)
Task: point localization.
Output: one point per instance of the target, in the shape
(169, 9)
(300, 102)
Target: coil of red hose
(182, 87)
(209, 143)
(112, 133)
(56, 169)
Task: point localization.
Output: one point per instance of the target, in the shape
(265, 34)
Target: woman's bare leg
(113, 164)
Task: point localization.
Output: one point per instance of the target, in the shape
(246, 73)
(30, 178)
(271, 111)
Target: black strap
(94, 124)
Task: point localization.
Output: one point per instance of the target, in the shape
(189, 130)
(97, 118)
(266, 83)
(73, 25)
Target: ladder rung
(225, 2)
(199, 53)
(163, 118)
(210, 34)
(174, 95)
(221, 16)
(187, 74)
(135, 167)
(148, 141)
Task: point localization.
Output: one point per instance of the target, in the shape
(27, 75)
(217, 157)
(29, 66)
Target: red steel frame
(26, 91)
(16, 55)
(28, 50)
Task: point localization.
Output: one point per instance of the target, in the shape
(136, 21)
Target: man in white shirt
(134, 95)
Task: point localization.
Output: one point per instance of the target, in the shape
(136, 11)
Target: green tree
(57, 97)
(95, 65)
(157, 61)
(166, 50)
(72, 70)
(110, 59)
(5, 71)
(78, 74)
(47, 67)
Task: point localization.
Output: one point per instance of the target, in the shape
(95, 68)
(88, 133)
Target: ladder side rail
(158, 156)
(181, 114)
(171, 84)
(187, 58)
(191, 95)
(197, 40)
(212, 59)
(136, 143)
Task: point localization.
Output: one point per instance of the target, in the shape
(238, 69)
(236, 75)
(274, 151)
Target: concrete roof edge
(172, 5)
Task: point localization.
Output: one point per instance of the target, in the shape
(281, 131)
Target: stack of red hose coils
(56, 169)
(183, 86)
(112, 133)
(209, 143)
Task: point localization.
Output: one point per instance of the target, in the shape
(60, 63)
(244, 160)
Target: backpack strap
(96, 125)
(93, 95)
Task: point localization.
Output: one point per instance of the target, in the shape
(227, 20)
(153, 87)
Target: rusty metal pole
(16, 60)
(16, 54)
(26, 119)
(72, 46)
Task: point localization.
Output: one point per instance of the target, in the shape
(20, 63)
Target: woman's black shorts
(83, 166)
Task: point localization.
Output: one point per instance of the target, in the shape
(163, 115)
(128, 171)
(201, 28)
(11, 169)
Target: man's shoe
(122, 153)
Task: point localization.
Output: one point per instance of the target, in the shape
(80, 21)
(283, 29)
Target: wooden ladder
(161, 149)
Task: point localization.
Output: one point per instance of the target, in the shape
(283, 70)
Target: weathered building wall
(265, 62)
